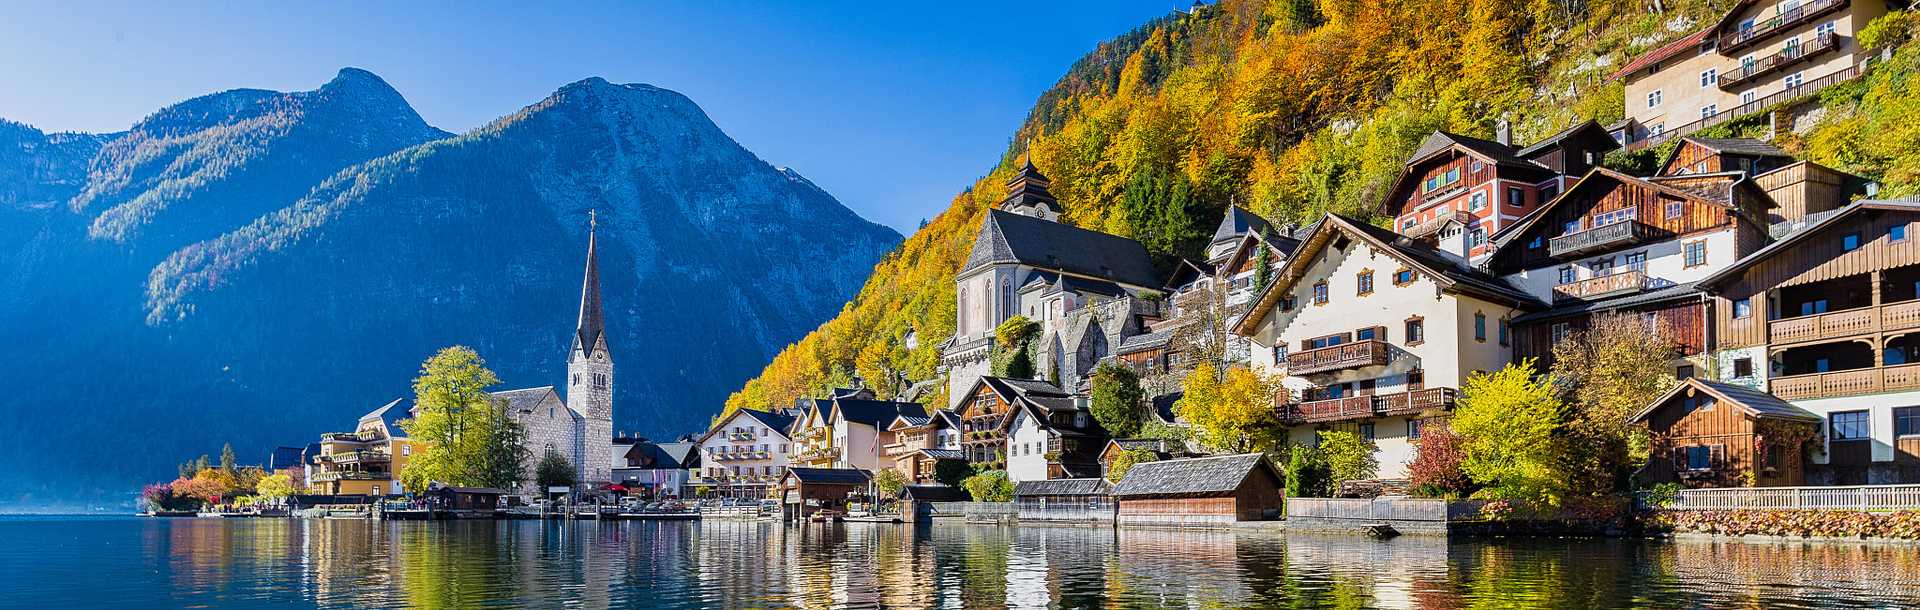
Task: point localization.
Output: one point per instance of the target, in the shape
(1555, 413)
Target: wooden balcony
(1434, 225)
(1847, 383)
(360, 457)
(1604, 286)
(1846, 323)
(1367, 407)
(1786, 20)
(1745, 75)
(1605, 237)
(1338, 357)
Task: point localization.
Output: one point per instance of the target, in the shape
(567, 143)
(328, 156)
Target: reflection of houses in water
(1871, 573)
(1394, 573)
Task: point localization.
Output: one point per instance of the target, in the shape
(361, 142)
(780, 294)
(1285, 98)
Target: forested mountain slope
(1295, 108)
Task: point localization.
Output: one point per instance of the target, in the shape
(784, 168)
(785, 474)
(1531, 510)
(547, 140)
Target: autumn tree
(1127, 460)
(1435, 471)
(889, 482)
(1510, 424)
(274, 486)
(1204, 333)
(1348, 456)
(1231, 413)
(1116, 398)
(1610, 371)
(989, 486)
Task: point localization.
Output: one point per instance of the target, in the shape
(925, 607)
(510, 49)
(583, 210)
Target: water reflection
(349, 563)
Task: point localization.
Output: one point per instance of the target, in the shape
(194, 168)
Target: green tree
(1307, 474)
(1611, 371)
(554, 470)
(989, 486)
(1127, 460)
(226, 457)
(1013, 348)
(1263, 263)
(951, 472)
(1116, 400)
(1231, 413)
(455, 424)
(1349, 457)
(889, 482)
(1511, 424)
(503, 453)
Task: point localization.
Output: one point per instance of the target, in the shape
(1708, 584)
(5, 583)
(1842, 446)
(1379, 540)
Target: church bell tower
(590, 372)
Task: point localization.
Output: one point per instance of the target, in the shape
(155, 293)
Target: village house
(1460, 190)
(918, 444)
(805, 491)
(1029, 428)
(1088, 291)
(847, 430)
(1723, 435)
(744, 455)
(1374, 333)
(1215, 490)
(1618, 244)
(1757, 55)
(651, 469)
(366, 461)
(1828, 318)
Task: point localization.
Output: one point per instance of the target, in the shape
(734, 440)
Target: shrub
(1307, 474)
(989, 486)
(1802, 523)
(1435, 471)
(1348, 457)
(1510, 425)
(951, 472)
(1116, 400)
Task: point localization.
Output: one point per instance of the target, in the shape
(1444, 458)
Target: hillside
(1295, 108)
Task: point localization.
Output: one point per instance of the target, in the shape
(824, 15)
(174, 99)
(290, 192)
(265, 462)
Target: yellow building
(366, 461)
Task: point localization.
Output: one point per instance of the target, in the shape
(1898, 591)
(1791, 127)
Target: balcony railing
(740, 435)
(352, 457)
(1612, 235)
(1604, 286)
(347, 475)
(346, 437)
(1745, 74)
(1366, 407)
(1371, 352)
(1847, 383)
(1846, 323)
(1784, 21)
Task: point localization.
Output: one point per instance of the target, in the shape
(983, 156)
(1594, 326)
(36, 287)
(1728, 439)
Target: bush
(1903, 525)
(951, 472)
(554, 471)
(1307, 474)
(889, 482)
(1435, 471)
(1511, 429)
(1116, 400)
(1348, 457)
(1127, 460)
(989, 486)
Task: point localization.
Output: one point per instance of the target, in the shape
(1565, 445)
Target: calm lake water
(56, 562)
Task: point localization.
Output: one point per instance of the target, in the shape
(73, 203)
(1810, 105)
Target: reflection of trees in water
(1728, 573)
(219, 556)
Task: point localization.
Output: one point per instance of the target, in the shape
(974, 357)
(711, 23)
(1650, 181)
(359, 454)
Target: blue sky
(892, 106)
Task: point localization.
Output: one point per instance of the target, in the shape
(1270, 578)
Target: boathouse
(1713, 434)
(1200, 491)
(1065, 500)
(916, 501)
(805, 491)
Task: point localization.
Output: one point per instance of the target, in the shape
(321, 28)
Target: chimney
(1503, 132)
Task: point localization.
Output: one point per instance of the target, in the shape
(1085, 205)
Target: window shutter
(1719, 458)
(1679, 458)
(1380, 333)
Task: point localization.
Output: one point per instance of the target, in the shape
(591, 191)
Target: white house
(745, 454)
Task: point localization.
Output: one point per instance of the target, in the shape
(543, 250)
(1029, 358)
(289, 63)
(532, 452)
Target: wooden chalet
(1715, 155)
(805, 491)
(1456, 185)
(1065, 501)
(916, 500)
(1200, 491)
(1712, 434)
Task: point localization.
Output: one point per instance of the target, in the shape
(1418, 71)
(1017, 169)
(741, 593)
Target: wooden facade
(1605, 192)
(984, 416)
(1692, 157)
(1817, 255)
(1213, 490)
(1682, 321)
(1260, 498)
(1807, 188)
(1741, 445)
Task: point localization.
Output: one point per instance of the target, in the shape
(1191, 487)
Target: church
(580, 426)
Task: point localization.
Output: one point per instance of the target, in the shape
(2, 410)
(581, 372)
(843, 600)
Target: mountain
(1295, 108)
(260, 267)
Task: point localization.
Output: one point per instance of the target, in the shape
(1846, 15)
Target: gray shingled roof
(1500, 154)
(1144, 342)
(1006, 237)
(876, 413)
(1753, 402)
(1472, 278)
(1207, 476)
(777, 421)
(1238, 222)
(1063, 487)
(1740, 146)
(523, 399)
(830, 476)
(934, 493)
(944, 454)
(1657, 295)
(1536, 147)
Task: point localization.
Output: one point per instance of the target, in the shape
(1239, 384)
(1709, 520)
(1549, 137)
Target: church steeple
(592, 324)
(1027, 194)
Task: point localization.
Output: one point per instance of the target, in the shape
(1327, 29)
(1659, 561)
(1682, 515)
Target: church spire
(592, 322)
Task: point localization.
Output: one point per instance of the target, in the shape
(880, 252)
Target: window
(1480, 327)
(1477, 202)
(406, 450)
(1742, 367)
(1560, 331)
(1403, 277)
(1280, 353)
(1695, 253)
(1443, 180)
(1569, 275)
(1366, 431)
(1635, 261)
(1416, 331)
(1416, 379)
(1612, 216)
(1850, 242)
(1657, 129)
(1364, 282)
(1699, 457)
(1516, 197)
(1602, 267)
(1743, 308)
(1413, 429)
(1816, 306)
(1897, 233)
(1794, 80)
(1570, 227)
(1327, 341)
(1707, 111)
(1286, 304)
(1320, 293)
(1710, 77)
(1505, 331)
(1653, 98)
(1536, 243)
(1684, 371)
(1825, 29)
(1478, 165)
(1369, 333)
(1476, 237)
(1906, 421)
(1747, 97)
(1850, 426)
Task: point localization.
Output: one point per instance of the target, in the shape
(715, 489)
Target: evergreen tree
(1263, 263)
(555, 470)
(1116, 400)
(226, 457)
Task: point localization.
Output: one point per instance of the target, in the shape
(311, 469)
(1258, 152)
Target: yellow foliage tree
(1233, 412)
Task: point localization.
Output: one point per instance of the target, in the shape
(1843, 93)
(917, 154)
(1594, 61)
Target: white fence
(1865, 497)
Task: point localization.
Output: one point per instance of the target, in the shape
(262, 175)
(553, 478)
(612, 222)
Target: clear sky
(891, 106)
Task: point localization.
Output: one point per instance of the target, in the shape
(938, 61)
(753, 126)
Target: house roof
(1753, 402)
(875, 413)
(1542, 145)
(1645, 297)
(661, 456)
(1495, 152)
(1717, 278)
(1718, 191)
(901, 422)
(686, 453)
(934, 493)
(1160, 446)
(1238, 222)
(1063, 487)
(829, 476)
(1661, 53)
(282, 457)
(1006, 237)
(943, 454)
(1205, 476)
(389, 416)
(779, 422)
(1188, 270)
(1735, 146)
(1453, 275)
(951, 418)
(1143, 342)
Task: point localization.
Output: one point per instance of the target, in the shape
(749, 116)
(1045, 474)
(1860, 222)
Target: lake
(61, 562)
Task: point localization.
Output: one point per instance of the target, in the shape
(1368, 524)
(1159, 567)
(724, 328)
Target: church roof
(1028, 188)
(593, 323)
(1006, 237)
(1237, 223)
(524, 399)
